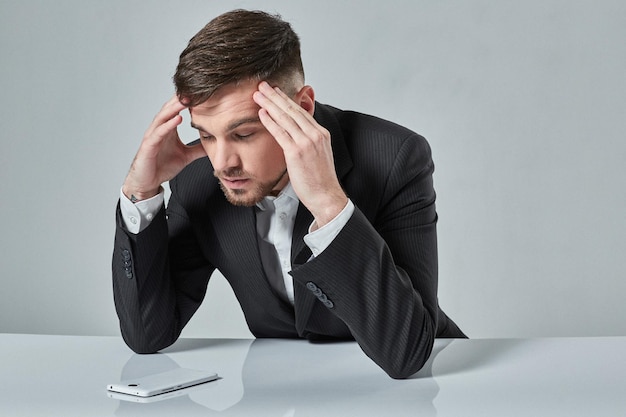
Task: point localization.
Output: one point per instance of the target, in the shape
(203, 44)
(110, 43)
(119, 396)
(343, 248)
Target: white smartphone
(165, 396)
(156, 384)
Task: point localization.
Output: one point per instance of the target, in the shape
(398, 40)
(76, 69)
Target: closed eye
(240, 136)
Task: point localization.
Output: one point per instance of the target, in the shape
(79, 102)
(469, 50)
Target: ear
(306, 99)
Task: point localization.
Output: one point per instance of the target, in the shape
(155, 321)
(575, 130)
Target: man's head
(216, 78)
(238, 46)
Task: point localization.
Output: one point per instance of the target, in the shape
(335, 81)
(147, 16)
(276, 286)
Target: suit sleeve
(380, 273)
(157, 289)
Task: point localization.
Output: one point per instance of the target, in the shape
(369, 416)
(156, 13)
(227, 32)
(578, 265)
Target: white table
(67, 376)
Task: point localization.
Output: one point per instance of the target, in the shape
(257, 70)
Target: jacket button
(311, 286)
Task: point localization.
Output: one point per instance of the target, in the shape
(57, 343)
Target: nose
(223, 155)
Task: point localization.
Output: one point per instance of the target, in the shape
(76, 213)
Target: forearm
(144, 297)
(389, 306)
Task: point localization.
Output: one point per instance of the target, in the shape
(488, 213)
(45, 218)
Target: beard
(248, 197)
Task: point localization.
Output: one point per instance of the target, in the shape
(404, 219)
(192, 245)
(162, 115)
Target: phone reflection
(269, 378)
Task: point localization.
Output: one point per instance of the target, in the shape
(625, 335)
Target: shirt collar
(268, 202)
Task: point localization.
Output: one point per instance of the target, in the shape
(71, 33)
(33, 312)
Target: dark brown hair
(238, 46)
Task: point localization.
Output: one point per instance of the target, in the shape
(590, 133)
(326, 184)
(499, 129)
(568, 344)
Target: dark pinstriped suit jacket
(376, 283)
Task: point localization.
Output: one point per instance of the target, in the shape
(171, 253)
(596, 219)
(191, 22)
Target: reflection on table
(60, 375)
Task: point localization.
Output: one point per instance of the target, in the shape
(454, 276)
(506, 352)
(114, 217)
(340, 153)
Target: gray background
(523, 104)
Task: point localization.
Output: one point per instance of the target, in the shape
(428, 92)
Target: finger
(165, 122)
(169, 126)
(278, 115)
(285, 129)
(169, 110)
(284, 110)
(283, 138)
(173, 104)
(281, 99)
(291, 122)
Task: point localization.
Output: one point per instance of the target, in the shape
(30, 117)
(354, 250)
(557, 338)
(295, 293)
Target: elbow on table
(146, 345)
(142, 349)
(405, 370)
(404, 362)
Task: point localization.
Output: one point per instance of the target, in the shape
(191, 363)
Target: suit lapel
(300, 254)
(236, 228)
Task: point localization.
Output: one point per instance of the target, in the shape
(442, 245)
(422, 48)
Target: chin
(241, 198)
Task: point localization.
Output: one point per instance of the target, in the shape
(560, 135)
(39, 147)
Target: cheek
(274, 159)
(267, 156)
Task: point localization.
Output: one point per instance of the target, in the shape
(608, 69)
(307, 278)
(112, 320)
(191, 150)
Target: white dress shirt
(275, 217)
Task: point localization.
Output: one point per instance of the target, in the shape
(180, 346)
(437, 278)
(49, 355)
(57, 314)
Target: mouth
(234, 183)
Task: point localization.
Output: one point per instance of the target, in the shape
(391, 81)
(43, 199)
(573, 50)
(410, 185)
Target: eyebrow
(234, 125)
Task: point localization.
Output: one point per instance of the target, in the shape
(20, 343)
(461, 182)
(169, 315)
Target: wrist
(136, 196)
(329, 211)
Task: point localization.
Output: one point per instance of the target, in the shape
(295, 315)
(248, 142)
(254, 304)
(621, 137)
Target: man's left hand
(308, 152)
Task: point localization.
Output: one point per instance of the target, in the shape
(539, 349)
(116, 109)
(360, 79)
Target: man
(323, 221)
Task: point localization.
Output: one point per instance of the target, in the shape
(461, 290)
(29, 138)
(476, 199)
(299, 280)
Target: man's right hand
(161, 155)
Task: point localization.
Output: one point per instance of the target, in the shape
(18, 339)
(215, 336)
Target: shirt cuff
(320, 239)
(137, 216)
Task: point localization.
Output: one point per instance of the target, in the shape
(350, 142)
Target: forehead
(229, 103)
